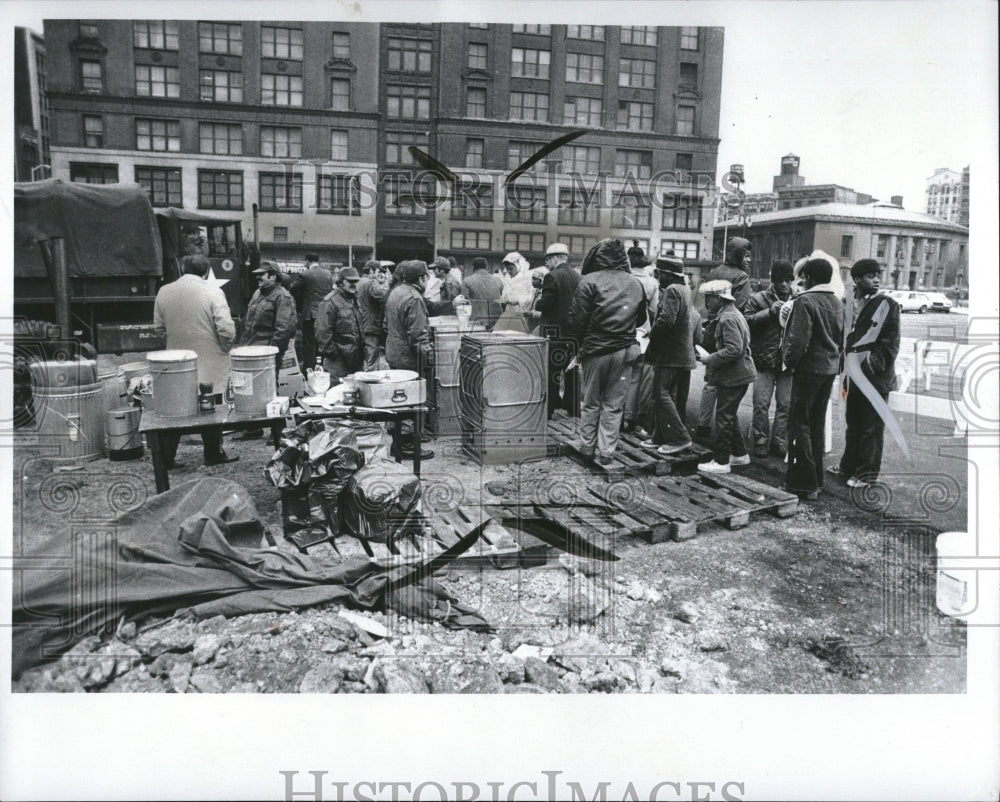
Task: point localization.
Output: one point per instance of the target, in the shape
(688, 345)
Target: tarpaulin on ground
(110, 229)
(175, 553)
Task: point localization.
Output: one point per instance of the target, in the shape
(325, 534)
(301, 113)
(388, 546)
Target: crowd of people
(624, 336)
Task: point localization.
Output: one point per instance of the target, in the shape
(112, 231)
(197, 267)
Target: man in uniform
(372, 290)
(339, 338)
(313, 284)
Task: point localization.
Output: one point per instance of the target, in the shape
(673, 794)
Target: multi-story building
(31, 111)
(916, 250)
(947, 194)
(310, 125)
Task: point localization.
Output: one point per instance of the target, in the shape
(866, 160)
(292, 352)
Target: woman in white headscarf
(516, 294)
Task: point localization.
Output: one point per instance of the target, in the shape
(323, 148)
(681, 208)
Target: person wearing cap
(558, 287)
(438, 271)
(875, 335)
(310, 287)
(371, 292)
(763, 312)
(729, 369)
(671, 355)
(482, 290)
(339, 338)
(812, 349)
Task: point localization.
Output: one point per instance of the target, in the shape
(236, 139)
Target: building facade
(305, 129)
(947, 195)
(31, 111)
(915, 250)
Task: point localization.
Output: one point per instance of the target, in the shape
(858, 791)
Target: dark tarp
(176, 553)
(110, 229)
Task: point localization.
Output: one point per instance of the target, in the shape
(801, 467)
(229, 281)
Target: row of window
(529, 241)
(629, 34)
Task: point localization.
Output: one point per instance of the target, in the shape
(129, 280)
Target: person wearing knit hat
(763, 312)
(873, 343)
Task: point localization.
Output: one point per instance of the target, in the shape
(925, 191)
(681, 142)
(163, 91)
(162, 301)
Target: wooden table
(156, 426)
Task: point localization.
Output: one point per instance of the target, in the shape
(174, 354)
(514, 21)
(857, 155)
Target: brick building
(31, 112)
(947, 195)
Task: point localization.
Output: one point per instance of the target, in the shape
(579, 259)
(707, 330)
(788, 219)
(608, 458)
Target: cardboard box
(385, 395)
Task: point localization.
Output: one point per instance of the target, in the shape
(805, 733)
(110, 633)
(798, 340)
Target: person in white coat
(194, 316)
(517, 292)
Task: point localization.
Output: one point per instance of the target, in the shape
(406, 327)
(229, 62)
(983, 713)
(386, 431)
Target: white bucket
(255, 381)
(956, 587)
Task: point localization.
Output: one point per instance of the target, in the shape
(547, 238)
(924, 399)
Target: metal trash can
(124, 440)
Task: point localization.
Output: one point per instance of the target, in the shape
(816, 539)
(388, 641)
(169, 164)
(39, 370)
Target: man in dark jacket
(762, 312)
(875, 338)
(812, 348)
(671, 352)
(729, 369)
(608, 305)
(482, 289)
(312, 286)
(558, 288)
(372, 290)
(734, 270)
(339, 338)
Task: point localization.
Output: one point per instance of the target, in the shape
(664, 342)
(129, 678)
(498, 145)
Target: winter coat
(731, 270)
(194, 315)
(453, 283)
(483, 290)
(270, 319)
(338, 332)
(765, 329)
(558, 288)
(730, 364)
(314, 284)
(671, 337)
(814, 334)
(608, 304)
(879, 363)
(652, 289)
(371, 304)
(407, 340)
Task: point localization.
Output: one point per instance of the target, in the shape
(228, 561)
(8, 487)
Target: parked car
(911, 301)
(939, 302)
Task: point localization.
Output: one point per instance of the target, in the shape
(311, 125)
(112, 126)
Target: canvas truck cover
(110, 229)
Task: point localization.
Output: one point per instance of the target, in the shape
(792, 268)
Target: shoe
(713, 467)
(650, 443)
(668, 449)
(602, 460)
(250, 434)
(173, 465)
(407, 453)
(626, 427)
(835, 470)
(638, 431)
(760, 452)
(743, 460)
(220, 459)
(855, 482)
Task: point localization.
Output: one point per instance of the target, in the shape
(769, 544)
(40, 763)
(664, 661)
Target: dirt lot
(829, 600)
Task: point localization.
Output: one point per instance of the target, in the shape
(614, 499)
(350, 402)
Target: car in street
(939, 302)
(910, 301)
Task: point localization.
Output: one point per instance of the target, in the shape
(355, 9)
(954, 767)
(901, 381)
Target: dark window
(681, 213)
(473, 203)
(162, 183)
(635, 163)
(846, 245)
(689, 75)
(280, 192)
(475, 102)
(525, 204)
(637, 72)
(90, 173)
(474, 152)
(635, 116)
(683, 161)
(518, 152)
(224, 38)
(477, 56)
(685, 121)
(220, 189)
(578, 207)
(280, 234)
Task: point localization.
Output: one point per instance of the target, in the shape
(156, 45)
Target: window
(637, 72)
(341, 44)
(683, 162)
(681, 213)
(635, 116)
(630, 211)
(478, 56)
(88, 29)
(473, 202)
(153, 81)
(224, 139)
(280, 234)
(584, 68)
(635, 163)
(220, 189)
(685, 121)
(527, 63)
(281, 90)
(846, 245)
(595, 32)
(529, 106)
(681, 248)
(89, 173)
(91, 76)
(397, 146)
(162, 183)
(280, 143)
(519, 152)
(221, 86)
(525, 204)
(283, 43)
(402, 199)
(158, 135)
(583, 111)
(409, 55)
(882, 247)
(689, 38)
(340, 94)
(475, 102)
(638, 35)
(339, 194)
(93, 131)
(577, 244)
(580, 159)
(408, 102)
(223, 38)
(578, 207)
(280, 192)
(156, 34)
(543, 30)
(474, 151)
(523, 241)
(689, 75)
(338, 146)
(470, 240)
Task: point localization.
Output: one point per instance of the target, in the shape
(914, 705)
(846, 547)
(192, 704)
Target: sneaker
(835, 470)
(638, 431)
(713, 467)
(668, 449)
(650, 443)
(855, 482)
(743, 460)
